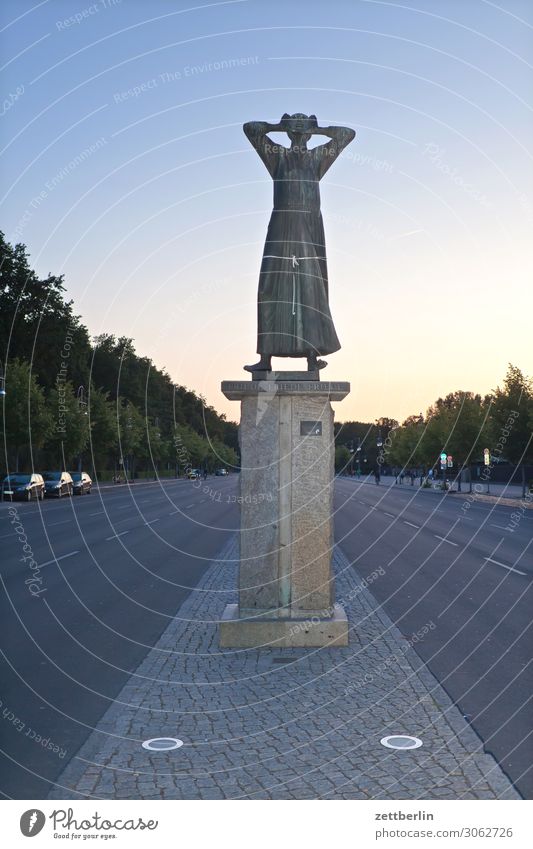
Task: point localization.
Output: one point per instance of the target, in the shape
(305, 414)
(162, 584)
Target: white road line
(443, 539)
(51, 524)
(63, 557)
(391, 515)
(509, 568)
(411, 524)
(501, 527)
(115, 536)
(124, 507)
(174, 512)
(152, 522)
(98, 513)
(189, 505)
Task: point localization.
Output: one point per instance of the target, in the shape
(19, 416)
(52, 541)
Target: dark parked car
(81, 482)
(221, 472)
(23, 486)
(57, 483)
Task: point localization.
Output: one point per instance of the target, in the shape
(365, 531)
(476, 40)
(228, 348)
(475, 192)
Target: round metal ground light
(162, 744)
(401, 741)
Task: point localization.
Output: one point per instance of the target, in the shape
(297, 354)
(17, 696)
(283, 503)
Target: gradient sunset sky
(125, 168)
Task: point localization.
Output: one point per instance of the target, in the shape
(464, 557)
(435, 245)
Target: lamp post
(379, 446)
(2, 382)
(82, 407)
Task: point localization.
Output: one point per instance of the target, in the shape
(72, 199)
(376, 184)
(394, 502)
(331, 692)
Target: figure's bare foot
(264, 364)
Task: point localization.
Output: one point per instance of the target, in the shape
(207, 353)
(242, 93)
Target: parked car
(58, 483)
(81, 482)
(193, 474)
(23, 486)
(221, 472)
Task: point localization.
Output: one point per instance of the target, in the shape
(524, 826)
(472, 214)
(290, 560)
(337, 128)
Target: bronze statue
(294, 319)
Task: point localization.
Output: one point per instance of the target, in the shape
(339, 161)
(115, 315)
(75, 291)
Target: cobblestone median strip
(255, 728)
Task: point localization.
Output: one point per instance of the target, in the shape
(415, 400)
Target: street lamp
(2, 382)
(379, 445)
(82, 407)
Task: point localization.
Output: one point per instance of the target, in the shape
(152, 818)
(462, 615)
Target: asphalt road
(116, 567)
(460, 573)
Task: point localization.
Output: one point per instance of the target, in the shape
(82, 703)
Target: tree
(70, 434)
(130, 433)
(103, 425)
(457, 425)
(342, 458)
(406, 443)
(36, 323)
(26, 421)
(511, 415)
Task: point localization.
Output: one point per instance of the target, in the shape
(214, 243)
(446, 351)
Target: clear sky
(125, 167)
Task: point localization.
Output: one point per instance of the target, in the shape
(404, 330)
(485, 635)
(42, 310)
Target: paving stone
(256, 729)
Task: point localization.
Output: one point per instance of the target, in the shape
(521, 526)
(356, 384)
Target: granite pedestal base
(286, 592)
(260, 632)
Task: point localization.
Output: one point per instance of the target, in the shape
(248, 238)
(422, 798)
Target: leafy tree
(103, 424)
(458, 426)
(36, 323)
(406, 443)
(26, 421)
(342, 458)
(511, 416)
(130, 433)
(70, 433)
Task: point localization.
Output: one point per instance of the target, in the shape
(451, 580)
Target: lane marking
(152, 522)
(56, 559)
(124, 507)
(51, 524)
(188, 505)
(174, 512)
(98, 513)
(501, 527)
(411, 524)
(443, 539)
(503, 565)
(391, 515)
(115, 536)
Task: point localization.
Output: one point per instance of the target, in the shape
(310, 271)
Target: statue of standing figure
(294, 319)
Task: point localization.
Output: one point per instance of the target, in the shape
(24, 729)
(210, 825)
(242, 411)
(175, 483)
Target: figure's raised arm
(328, 153)
(256, 133)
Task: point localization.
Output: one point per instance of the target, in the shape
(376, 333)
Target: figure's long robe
(294, 318)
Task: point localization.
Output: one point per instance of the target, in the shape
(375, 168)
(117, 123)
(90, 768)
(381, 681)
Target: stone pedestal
(286, 592)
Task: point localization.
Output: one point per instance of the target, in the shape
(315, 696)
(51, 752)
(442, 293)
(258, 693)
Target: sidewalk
(256, 727)
(500, 493)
